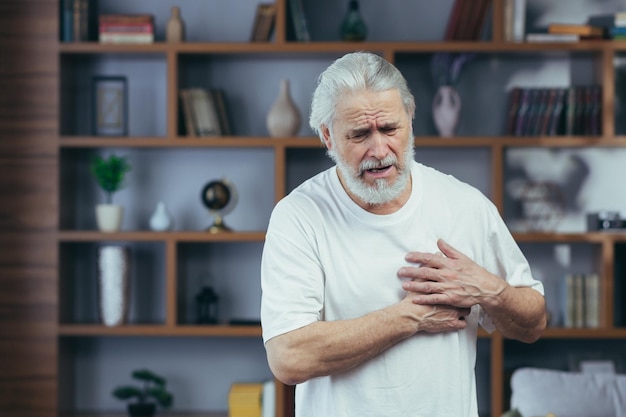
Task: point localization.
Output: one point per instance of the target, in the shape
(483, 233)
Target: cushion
(537, 392)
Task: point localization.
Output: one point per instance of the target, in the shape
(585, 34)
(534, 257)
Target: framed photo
(110, 116)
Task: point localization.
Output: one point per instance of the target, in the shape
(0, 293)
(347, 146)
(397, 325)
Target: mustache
(378, 163)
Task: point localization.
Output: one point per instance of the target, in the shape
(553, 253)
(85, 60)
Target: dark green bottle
(353, 27)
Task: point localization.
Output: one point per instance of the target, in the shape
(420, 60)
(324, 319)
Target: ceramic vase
(161, 220)
(113, 284)
(446, 110)
(175, 30)
(109, 217)
(283, 119)
(353, 27)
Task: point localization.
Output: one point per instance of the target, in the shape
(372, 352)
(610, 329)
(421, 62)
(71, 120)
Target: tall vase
(175, 30)
(113, 284)
(283, 119)
(446, 110)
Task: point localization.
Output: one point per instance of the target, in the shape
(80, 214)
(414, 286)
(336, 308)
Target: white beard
(381, 191)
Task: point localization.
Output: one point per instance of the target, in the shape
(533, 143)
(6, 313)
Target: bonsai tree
(152, 392)
(109, 173)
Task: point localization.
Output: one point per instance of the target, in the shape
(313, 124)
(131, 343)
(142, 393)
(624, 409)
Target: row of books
(582, 301)
(555, 111)
(252, 399)
(75, 21)
(466, 20)
(204, 112)
(119, 28)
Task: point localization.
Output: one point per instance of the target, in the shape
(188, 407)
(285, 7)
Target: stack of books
(614, 24)
(568, 32)
(115, 28)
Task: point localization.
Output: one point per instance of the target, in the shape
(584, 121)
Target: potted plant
(151, 393)
(109, 173)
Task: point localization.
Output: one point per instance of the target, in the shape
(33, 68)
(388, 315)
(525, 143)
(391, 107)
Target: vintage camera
(605, 220)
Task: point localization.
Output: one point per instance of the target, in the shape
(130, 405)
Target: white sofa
(537, 392)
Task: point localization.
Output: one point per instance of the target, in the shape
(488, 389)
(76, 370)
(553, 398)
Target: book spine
(67, 34)
(121, 18)
(126, 28)
(126, 38)
(299, 21)
(185, 99)
(519, 20)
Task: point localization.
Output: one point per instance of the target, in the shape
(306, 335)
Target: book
(126, 18)
(518, 24)
(263, 22)
(577, 29)
(125, 38)
(298, 21)
(187, 111)
(67, 21)
(552, 37)
(204, 112)
(592, 300)
(222, 112)
(245, 400)
(110, 27)
(80, 20)
(453, 20)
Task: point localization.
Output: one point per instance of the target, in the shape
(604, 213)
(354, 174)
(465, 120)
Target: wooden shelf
(159, 330)
(341, 47)
(149, 236)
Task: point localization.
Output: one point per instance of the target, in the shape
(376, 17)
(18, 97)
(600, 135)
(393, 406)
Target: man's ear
(326, 134)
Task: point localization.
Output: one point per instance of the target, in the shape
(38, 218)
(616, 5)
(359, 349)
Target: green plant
(153, 387)
(109, 173)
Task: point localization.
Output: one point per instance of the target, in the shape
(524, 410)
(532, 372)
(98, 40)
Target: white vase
(113, 285)
(446, 110)
(109, 217)
(161, 220)
(283, 119)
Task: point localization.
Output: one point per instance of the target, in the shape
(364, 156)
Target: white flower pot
(109, 217)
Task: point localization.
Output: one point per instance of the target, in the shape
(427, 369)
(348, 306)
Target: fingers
(448, 250)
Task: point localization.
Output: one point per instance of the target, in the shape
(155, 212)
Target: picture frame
(110, 107)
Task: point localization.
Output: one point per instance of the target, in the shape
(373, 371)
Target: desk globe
(220, 198)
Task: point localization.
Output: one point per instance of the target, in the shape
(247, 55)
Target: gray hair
(356, 71)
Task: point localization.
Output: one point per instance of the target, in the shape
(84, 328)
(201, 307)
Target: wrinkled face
(372, 145)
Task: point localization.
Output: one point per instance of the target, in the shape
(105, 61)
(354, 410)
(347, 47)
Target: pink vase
(446, 110)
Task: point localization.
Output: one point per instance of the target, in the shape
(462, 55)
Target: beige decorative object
(113, 284)
(175, 31)
(109, 217)
(283, 119)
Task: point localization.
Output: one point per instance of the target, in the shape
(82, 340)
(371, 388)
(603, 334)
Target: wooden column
(28, 207)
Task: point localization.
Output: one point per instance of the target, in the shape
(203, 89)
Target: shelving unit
(171, 264)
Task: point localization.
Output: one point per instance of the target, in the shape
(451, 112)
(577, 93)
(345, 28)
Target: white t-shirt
(326, 258)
